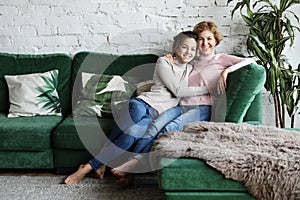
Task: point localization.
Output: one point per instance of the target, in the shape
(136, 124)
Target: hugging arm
(177, 83)
(234, 63)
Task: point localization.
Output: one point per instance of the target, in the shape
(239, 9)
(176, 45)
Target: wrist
(228, 70)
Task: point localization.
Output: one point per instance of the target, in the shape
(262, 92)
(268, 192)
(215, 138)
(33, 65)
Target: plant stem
(276, 111)
(282, 115)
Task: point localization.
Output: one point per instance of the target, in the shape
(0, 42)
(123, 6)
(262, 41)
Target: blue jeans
(130, 126)
(181, 115)
(190, 114)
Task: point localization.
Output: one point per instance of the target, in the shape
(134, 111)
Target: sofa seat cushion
(67, 160)
(189, 174)
(223, 195)
(26, 159)
(27, 133)
(81, 133)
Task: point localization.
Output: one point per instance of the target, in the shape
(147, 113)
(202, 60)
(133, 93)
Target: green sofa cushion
(188, 174)
(88, 131)
(13, 64)
(26, 159)
(244, 86)
(27, 133)
(111, 64)
(140, 66)
(207, 196)
(67, 160)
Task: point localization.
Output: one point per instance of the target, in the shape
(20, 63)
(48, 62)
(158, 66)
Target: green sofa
(63, 142)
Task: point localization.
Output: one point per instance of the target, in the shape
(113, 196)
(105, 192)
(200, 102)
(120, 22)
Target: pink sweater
(207, 71)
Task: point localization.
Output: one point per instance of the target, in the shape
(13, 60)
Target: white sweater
(170, 84)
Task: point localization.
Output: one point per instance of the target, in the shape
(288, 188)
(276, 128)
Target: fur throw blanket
(265, 159)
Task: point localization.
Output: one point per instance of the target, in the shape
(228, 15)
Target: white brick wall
(53, 25)
(114, 26)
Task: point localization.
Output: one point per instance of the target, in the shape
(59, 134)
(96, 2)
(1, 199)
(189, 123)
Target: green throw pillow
(102, 92)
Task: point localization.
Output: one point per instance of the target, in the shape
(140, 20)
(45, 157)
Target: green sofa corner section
(191, 178)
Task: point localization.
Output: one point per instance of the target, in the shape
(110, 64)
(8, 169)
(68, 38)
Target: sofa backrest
(140, 66)
(243, 94)
(18, 64)
(244, 100)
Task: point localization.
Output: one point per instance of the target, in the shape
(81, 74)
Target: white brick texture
(37, 20)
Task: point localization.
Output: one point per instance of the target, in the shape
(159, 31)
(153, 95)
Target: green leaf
(48, 96)
(294, 15)
(258, 42)
(288, 4)
(54, 76)
(246, 19)
(239, 5)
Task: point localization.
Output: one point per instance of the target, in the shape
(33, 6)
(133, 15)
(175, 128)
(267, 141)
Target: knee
(137, 110)
(135, 104)
(135, 131)
(152, 130)
(172, 126)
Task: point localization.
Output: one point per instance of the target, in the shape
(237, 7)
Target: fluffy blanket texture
(265, 159)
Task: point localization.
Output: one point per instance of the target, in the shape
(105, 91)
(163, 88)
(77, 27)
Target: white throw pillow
(85, 76)
(33, 94)
(102, 92)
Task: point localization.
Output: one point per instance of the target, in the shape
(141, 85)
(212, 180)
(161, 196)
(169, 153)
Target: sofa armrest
(243, 94)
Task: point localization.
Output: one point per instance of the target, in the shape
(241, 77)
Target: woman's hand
(170, 58)
(223, 81)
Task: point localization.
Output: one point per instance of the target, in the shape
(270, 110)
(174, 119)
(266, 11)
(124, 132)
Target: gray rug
(51, 188)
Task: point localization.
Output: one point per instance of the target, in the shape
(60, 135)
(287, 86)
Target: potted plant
(270, 31)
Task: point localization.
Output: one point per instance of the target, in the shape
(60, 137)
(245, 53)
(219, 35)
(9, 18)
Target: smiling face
(206, 42)
(208, 37)
(186, 50)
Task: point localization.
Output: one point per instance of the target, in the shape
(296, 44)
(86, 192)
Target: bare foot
(123, 170)
(100, 172)
(77, 176)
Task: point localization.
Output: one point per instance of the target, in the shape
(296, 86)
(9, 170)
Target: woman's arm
(176, 81)
(234, 63)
